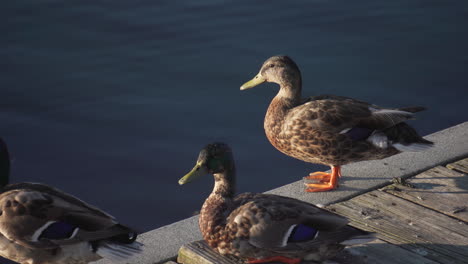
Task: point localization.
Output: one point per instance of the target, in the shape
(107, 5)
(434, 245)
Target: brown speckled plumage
(255, 226)
(316, 129)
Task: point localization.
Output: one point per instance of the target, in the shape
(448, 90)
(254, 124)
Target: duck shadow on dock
(376, 252)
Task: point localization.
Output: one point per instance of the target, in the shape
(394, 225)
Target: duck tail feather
(413, 147)
(117, 252)
(413, 109)
(359, 239)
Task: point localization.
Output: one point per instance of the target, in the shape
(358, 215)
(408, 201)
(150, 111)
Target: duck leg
(277, 259)
(327, 181)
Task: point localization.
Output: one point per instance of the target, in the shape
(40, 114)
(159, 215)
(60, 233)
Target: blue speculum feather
(302, 233)
(58, 230)
(359, 133)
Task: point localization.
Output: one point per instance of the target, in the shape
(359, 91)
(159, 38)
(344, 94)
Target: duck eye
(272, 65)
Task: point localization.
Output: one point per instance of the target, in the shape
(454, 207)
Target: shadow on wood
(377, 252)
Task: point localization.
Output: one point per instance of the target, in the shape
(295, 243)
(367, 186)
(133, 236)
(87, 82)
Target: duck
(262, 228)
(328, 129)
(40, 224)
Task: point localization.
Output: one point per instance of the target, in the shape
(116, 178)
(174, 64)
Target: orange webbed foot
(319, 176)
(276, 259)
(326, 181)
(319, 187)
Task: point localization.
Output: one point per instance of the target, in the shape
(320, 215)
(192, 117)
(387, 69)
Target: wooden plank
(199, 252)
(461, 165)
(380, 252)
(376, 252)
(439, 188)
(436, 236)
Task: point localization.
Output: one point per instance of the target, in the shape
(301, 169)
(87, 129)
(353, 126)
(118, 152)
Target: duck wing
(271, 221)
(39, 216)
(338, 114)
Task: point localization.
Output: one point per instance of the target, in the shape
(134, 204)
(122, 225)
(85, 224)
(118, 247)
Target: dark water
(112, 100)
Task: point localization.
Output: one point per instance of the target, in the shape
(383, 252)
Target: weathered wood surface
(381, 252)
(423, 220)
(199, 252)
(440, 189)
(413, 227)
(461, 165)
(377, 252)
(425, 215)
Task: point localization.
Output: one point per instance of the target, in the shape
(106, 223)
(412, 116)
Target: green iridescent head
(214, 158)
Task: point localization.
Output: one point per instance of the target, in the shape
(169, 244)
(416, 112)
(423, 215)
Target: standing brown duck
(328, 129)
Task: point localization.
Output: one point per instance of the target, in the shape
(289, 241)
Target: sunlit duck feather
(328, 129)
(262, 228)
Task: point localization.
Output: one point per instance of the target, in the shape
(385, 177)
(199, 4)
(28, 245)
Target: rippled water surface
(112, 100)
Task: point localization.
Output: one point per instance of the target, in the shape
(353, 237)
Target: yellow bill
(195, 173)
(258, 79)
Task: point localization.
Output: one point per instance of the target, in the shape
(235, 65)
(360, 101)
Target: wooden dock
(421, 219)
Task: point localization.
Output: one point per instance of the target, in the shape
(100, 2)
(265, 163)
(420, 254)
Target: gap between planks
(427, 216)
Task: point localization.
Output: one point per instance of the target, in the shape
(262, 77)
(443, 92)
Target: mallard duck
(260, 228)
(328, 129)
(43, 225)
